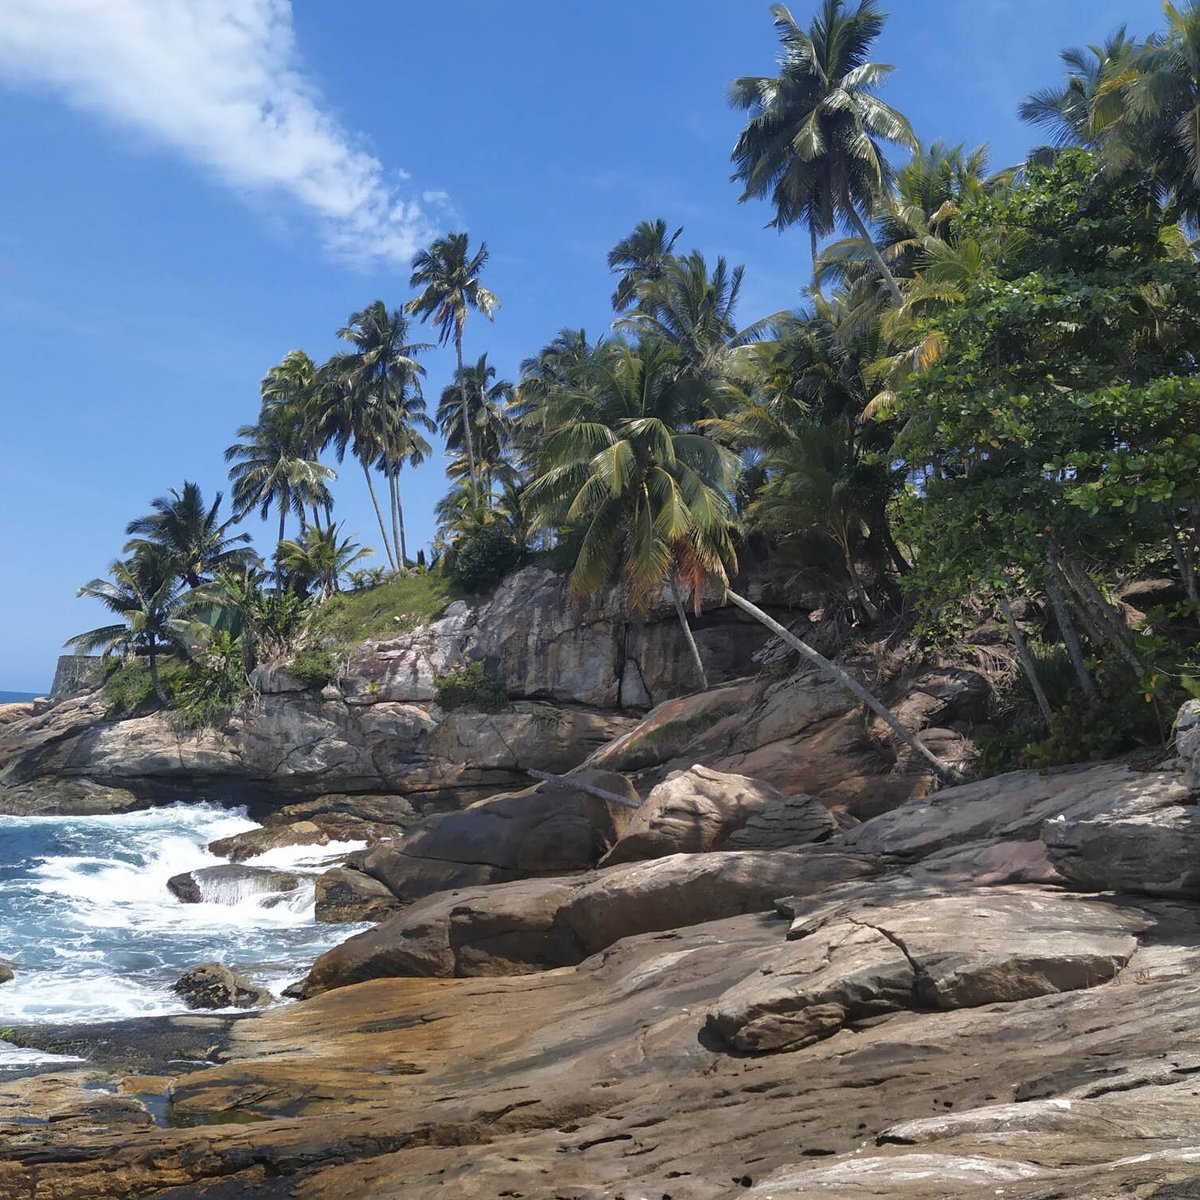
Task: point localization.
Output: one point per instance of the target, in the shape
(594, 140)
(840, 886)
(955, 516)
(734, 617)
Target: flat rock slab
(1154, 852)
(1014, 807)
(922, 954)
(538, 924)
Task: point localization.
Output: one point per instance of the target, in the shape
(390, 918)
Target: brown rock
(346, 895)
(545, 829)
(214, 985)
(701, 809)
(230, 884)
(537, 924)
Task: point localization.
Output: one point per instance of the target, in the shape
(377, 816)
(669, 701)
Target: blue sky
(196, 187)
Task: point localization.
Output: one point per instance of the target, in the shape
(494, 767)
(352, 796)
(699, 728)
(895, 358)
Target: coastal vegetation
(987, 411)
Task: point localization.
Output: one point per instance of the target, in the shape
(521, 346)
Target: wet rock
(701, 809)
(345, 895)
(6, 971)
(230, 884)
(214, 985)
(253, 842)
(941, 952)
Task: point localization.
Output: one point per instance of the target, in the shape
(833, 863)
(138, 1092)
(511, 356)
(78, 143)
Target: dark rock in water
(6, 972)
(348, 895)
(253, 842)
(230, 884)
(214, 985)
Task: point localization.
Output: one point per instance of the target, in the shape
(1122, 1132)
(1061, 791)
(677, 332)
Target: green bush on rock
(313, 667)
(471, 687)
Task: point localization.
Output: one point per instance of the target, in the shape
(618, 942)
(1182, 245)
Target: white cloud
(219, 81)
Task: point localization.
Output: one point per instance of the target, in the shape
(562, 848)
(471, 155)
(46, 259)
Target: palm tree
(272, 466)
(649, 494)
(491, 426)
(317, 559)
(639, 259)
(146, 594)
(1069, 111)
(813, 139)
(1150, 110)
(194, 536)
(449, 276)
(297, 383)
(379, 383)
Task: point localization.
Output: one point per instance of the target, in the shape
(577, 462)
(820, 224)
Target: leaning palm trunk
(1026, 661)
(379, 516)
(869, 242)
(688, 637)
(943, 771)
(1070, 636)
(1115, 630)
(466, 421)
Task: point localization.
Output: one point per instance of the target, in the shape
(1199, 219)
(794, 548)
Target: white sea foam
(95, 935)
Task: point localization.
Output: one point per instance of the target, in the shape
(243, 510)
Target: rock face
(907, 1025)
(701, 809)
(547, 829)
(214, 985)
(538, 924)
(932, 953)
(230, 884)
(802, 735)
(72, 759)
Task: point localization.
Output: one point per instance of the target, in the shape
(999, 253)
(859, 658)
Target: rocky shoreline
(730, 946)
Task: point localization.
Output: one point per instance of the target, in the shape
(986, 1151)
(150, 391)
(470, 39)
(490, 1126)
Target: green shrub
(400, 603)
(206, 689)
(312, 667)
(471, 687)
(128, 688)
(482, 559)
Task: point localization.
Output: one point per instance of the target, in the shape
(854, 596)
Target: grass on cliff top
(384, 611)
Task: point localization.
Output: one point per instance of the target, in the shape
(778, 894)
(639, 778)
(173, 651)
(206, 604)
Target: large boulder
(547, 829)
(344, 894)
(928, 952)
(1157, 853)
(1014, 807)
(214, 985)
(231, 884)
(701, 809)
(6, 972)
(538, 924)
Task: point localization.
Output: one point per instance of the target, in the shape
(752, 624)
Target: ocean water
(18, 697)
(94, 934)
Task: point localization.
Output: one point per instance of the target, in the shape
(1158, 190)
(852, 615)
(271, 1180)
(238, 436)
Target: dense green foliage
(986, 414)
(313, 666)
(471, 687)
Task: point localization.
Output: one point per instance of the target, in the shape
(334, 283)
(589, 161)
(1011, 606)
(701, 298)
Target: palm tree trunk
(1114, 628)
(278, 561)
(869, 242)
(466, 420)
(860, 593)
(943, 771)
(1070, 636)
(681, 612)
(1026, 661)
(394, 499)
(378, 515)
(152, 660)
(400, 520)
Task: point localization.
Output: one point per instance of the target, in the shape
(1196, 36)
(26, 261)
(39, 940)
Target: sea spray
(86, 916)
